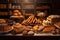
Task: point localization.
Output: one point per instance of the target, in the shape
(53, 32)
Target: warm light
(26, 0)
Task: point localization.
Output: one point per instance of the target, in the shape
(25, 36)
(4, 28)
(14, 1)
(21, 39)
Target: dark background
(55, 6)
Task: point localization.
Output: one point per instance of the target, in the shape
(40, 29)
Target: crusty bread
(2, 21)
(18, 28)
(48, 29)
(6, 29)
(54, 18)
(16, 13)
(57, 24)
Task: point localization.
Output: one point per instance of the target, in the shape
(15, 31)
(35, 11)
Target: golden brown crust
(31, 20)
(6, 29)
(2, 21)
(48, 29)
(16, 13)
(35, 28)
(24, 32)
(18, 28)
(57, 24)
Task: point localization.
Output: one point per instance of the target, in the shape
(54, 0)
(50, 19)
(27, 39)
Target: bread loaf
(54, 18)
(48, 29)
(18, 28)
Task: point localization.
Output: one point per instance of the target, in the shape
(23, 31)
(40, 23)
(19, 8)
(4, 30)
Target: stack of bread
(17, 14)
(19, 28)
(31, 20)
(4, 27)
(51, 20)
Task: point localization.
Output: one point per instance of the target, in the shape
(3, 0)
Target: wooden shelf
(3, 13)
(3, 6)
(28, 9)
(22, 9)
(43, 7)
(3, 10)
(15, 3)
(15, 9)
(42, 2)
(4, 3)
(24, 5)
(27, 3)
(5, 17)
(46, 34)
(30, 3)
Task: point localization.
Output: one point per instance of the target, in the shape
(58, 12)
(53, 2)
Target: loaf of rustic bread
(54, 18)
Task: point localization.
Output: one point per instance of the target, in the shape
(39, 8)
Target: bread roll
(24, 32)
(16, 11)
(41, 28)
(41, 14)
(30, 33)
(2, 21)
(15, 14)
(35, 28)
(46, 23)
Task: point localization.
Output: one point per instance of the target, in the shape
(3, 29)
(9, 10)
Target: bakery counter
(40, 34)
(31, 26)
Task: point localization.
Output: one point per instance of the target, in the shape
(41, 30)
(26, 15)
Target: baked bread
(57, 30)
(48, 29)
(57, 24)
(41, 14)
(38, 21)
(24, 32)
(30, 33)
(6, 29)
(35, 28)
(54, 18)
(2, 21)
(41, 27)
(29, 20)
(16, 13)
(18, 28)
(46, 23)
